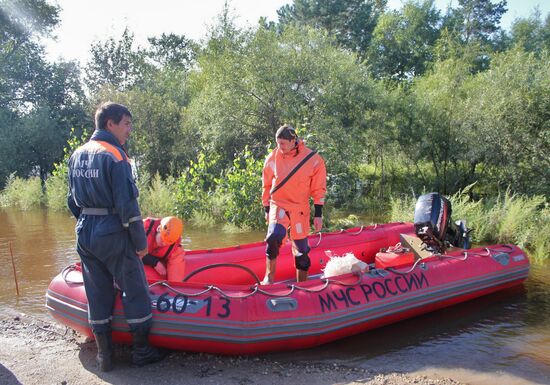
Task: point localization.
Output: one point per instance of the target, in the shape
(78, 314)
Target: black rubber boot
(104, 356)
(142, 352)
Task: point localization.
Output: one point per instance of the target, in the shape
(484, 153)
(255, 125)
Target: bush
(56, 184)
(22, 193)
(242, 189)
(157, 198)
(195, 186)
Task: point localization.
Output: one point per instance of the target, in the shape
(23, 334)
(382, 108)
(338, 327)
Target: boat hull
(249, 319)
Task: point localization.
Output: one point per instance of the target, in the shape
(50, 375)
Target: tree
(261, 79)
(403, 41)
(531, 33)
(172, 51)
(21, 57)
(509, 109)
(351, 22)
(477, 20)
(116, 64)
(429, 128)
(39, 101)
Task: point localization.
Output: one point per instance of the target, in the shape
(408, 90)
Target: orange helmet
(170, 229)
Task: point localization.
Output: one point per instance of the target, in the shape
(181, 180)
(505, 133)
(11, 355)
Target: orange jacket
(171, 255)
(309, 181)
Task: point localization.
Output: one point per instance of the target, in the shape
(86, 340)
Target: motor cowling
(434, 226)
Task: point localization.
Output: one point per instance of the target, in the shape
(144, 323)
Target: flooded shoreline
(501, 338)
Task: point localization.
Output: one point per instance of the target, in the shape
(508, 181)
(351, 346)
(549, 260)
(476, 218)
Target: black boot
(142, 352)
(104, 356)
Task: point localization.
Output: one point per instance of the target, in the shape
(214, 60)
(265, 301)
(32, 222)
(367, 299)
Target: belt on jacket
(97, 211)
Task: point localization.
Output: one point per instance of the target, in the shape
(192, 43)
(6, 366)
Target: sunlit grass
(508, 218)
(56, 192)
(24, 194)
(157, 198)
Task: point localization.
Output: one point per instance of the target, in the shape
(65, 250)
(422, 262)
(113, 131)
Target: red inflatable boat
(221, 308)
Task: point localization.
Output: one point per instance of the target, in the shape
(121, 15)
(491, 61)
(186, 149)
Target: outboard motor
(433, 224)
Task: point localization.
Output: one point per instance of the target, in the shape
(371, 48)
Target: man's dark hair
(286, 132)
(112, 111)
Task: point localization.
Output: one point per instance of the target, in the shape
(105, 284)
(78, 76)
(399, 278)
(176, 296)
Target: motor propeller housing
(434, 226)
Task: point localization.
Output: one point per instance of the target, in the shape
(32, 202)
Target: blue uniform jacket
(100, 176)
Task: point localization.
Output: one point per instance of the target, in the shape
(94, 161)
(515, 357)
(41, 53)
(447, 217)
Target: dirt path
(33, 351)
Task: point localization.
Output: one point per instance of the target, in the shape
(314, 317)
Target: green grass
(56, 192)
(508, 218)
(24, 194)
(157, 198)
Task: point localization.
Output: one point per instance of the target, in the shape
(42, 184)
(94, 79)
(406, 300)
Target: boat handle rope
(418, 261)
(508, 247)
(256, 288)
(66, 271)
(167, 285)
(488, 253)
(327, 282)
(361, 229)
(216, 265)
(342, 231)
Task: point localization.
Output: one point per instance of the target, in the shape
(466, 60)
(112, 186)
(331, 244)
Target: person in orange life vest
(286, 203)
(164, 251)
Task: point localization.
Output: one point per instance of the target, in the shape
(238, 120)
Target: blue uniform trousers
(107, 257)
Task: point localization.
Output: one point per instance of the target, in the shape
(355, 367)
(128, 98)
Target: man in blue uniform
(110, 234)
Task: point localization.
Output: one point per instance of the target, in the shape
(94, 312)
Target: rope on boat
(66, 271)
(256, 288)
(319, 242)
(361, 229)
(327, 282)
(167, 285)
(488, 251)
(347, 232)
(418, 261)
(216, 265)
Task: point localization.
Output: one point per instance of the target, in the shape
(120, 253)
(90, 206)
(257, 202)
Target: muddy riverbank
(34, 351)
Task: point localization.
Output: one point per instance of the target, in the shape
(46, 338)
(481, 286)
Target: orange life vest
(151, 224)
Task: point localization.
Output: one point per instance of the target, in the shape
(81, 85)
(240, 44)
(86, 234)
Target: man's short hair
(286, 132)
(112, 111)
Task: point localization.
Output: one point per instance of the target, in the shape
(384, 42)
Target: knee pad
(301, 246)
(302, 262)
(274, 239)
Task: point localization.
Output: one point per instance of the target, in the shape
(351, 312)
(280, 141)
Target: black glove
(318, 211)
(150, 260)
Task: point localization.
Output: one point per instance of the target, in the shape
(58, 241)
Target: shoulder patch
(96, 146)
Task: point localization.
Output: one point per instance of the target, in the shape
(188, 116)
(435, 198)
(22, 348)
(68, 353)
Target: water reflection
(506, 333)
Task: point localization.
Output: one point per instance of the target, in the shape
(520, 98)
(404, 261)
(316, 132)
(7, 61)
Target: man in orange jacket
(292, 174)
(164, 251)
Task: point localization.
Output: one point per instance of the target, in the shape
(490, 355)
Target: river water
(503, 338)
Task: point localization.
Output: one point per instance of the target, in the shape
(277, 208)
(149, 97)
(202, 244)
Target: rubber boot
(270, 265)
(142, 352)
(301, 275)
(104, 356)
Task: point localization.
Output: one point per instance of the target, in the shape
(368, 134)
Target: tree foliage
(116, 64)
(403, 41)
(351, 22)
(39, 101)
(395, 101)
